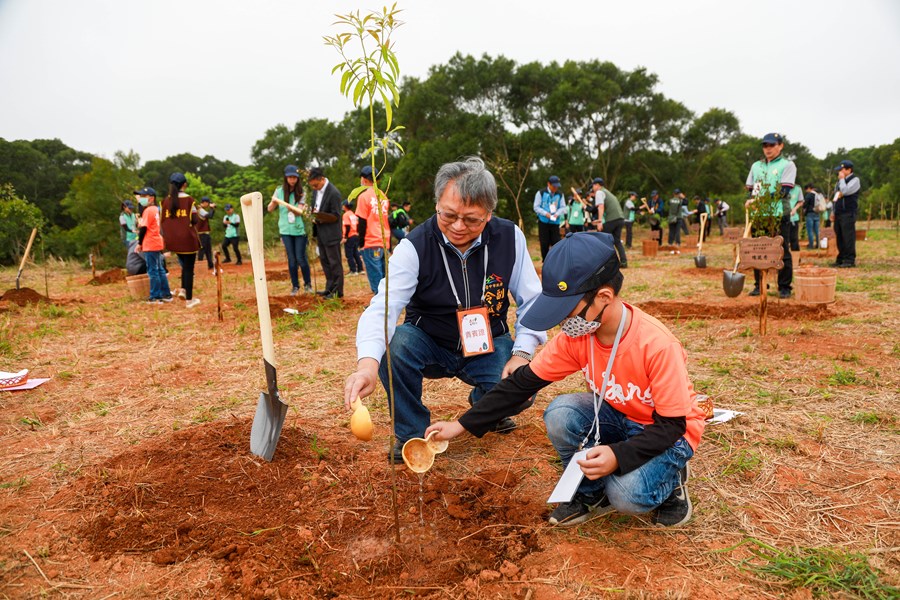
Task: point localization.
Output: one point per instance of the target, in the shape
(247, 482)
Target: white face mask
(578, 326)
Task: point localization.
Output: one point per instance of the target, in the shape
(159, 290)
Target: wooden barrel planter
(815, 285)
(138, 286)
(649, 247)
(861, 235)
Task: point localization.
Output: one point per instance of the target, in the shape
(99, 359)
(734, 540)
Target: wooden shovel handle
(703, 217)
(27, 249)
(291, 207)
(251, 208)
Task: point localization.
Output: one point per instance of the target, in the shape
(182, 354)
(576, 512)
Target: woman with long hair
(179, 221)
(291, 226)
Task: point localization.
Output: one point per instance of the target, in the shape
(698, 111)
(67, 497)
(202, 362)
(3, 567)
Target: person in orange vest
(350, 221)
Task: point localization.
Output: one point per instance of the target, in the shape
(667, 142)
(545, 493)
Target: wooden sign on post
(732, 235)
(762, 253)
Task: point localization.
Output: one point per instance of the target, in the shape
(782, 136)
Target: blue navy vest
(847, 204)
(432, 307)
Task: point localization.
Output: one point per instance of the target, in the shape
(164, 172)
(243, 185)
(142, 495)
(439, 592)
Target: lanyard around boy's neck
(598, 399)
(453, 285)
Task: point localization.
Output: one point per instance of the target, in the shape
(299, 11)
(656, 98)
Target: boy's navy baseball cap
(177, 178)
(773, 138)
(598, 180)
(228, 207)
(204, 199)
(553, 179)
(845, 164)
(581, 262)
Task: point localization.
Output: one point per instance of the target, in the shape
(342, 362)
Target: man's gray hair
(475, 184)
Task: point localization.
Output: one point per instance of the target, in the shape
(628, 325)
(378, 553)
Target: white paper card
(568, 484)
(721, 415)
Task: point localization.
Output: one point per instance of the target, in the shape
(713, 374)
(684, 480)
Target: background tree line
(577, 120)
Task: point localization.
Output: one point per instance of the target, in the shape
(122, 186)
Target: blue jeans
(569, 418)
(373, 258)
(159, 283)
(296, 253)
(415, 355)
(812, 230)
(351, 251)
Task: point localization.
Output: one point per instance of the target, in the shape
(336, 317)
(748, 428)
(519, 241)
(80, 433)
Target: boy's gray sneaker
(677, 509)
(582, 508)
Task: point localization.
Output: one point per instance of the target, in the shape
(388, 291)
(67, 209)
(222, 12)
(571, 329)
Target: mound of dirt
(107, 277)
(315, 522)
(23, 296)
(736, 310)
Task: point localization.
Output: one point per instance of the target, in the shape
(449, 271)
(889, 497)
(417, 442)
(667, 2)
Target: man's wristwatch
(522, 354)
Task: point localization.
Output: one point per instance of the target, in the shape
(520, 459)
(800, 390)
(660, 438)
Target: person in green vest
(399, 220)
(611, 215)
(128, 223)
(232, 221)
(292, 227)
(773, 176)
(574, 220)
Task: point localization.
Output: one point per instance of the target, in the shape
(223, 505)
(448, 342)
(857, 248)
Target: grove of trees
(577, 120)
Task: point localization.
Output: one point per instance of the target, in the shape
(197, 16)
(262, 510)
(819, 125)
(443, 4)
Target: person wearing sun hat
(640, 422)
(773, 176)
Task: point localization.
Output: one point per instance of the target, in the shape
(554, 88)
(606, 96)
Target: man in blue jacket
(463, 265)
(550, 206)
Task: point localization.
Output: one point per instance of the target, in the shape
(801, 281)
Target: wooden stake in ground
(762, 253)
(218, 268)
(93, 268)
(763, 301)
(25, 256)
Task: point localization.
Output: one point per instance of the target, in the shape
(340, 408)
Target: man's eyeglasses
(449, 218)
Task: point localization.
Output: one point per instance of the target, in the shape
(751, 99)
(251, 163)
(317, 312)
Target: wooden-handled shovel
(732, 281)
(270, 410)
(700, 259)
(25, 256)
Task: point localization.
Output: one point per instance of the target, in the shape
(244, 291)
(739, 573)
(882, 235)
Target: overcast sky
(209, 77)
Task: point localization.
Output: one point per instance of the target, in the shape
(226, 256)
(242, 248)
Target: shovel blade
(732, 283)
(700, 261)
(267, 424)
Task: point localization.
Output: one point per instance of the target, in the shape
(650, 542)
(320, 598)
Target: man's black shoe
(504, 426)
(397, 451)
(754, 292)
(836, 264)
(784, 294)
(623, 265)
(846, 266)
(331, 295)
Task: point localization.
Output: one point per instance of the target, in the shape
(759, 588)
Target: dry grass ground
(128, 474)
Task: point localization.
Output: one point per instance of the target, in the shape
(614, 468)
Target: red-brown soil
(23, 296)
(129, 473)
(107, 277)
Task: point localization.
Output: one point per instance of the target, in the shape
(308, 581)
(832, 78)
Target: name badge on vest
(475, 331)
